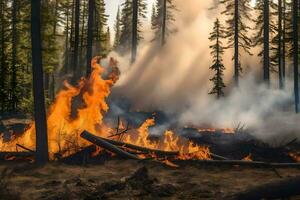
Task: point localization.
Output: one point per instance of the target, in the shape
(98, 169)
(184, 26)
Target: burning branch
(106, 145)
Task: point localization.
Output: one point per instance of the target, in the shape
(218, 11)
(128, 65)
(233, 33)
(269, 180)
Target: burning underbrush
(82, 108)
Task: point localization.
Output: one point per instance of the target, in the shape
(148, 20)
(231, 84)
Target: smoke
(175, 79)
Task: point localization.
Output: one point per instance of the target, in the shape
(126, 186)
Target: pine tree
(76, 41)
(237, 12)
(262, 37)
(277, 43)
(89, 51)
(153, 17)
(100, 28)
(117, 28)
(39, 102)
(217, 51)
(108, 39)
(126, 24)
(162, 19)
(296, 52)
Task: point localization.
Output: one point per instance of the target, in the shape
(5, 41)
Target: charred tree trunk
(164, 23)
(89, 50)
(76, 41)
(82, 39)
(67, 53)
(14, 57)
(52, 81)
(284, 42)
(236, 43)
(2, 63)
(280, 42)
(266, 42)
(134, 30)
(38, 85)
(296, 53)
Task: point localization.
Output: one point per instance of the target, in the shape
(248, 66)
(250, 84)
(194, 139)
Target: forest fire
(64, 127)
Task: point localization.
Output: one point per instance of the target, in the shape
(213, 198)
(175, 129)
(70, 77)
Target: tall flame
(88, 100)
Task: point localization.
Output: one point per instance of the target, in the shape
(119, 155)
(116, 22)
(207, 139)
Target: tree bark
(38, 86)
(89, 51)
(164, 23)
(280, 42)
(236, 43)
(134, 30)
(14, 57)
(296, 53)
(76, 41)
(3, 67)
(266, 42)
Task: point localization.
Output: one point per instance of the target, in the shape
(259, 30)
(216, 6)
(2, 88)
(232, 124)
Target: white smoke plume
(175, 79)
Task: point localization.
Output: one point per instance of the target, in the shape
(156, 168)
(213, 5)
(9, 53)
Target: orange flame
(64, 126)
(248, 158)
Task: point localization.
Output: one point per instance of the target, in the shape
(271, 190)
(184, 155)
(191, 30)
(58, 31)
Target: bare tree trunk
(89, 51)
(280, 73)
(82, 38)
(14, 57)
(76, 41)
(52, 81)
(3, 67)
(134, 30)
(164, 23)
(67, 53)
(284, 43)
(296, 53)
(38, 86)
(236, 43)
(266, 42)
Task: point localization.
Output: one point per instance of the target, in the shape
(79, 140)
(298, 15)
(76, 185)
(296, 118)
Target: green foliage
(244, 9)
(126, 24)
(217, 51)
(157, 18)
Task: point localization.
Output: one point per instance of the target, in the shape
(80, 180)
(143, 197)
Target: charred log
(142, 149)
(8, 155)
(106, 145)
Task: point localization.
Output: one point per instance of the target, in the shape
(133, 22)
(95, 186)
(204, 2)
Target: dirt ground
(123, 179)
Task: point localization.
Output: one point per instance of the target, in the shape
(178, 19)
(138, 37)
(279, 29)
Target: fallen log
(238, 163)
(282, 189)
(5, 155)
(106, 145)
(25, 148)
(142, 149)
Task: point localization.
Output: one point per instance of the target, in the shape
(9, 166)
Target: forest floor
(125, 179)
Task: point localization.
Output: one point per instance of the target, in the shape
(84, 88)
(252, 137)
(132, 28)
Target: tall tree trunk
(89, 51)
(164, 23)
(76, 41)
(52, 81)
(218, 59)
(38, 85)
(236, 43)
(266, 42)
(82, 38)
(284, 43)
(296, 53)
(14, 57)
(67, 50)
(134, 30)
(281, 85)
(2, 63)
